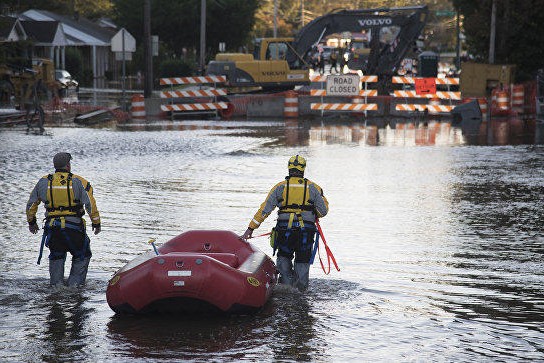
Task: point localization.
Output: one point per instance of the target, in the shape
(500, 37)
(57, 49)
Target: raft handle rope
(330, 256)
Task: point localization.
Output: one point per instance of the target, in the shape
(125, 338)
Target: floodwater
(440, 244)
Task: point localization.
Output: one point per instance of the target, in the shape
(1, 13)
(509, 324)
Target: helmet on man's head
(61, 160)
(297, 162)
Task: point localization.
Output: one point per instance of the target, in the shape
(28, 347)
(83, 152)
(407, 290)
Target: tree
(177, 22)
(519, 32)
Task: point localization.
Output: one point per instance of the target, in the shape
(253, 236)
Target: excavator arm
(392, 32)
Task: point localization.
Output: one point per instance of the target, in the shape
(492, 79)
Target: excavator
(27, 86)
(283, 63)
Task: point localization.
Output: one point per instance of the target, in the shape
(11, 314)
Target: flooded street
(440, 244)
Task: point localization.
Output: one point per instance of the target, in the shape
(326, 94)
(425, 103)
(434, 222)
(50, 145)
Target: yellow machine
(478, 79)
(27, 85)
(267, 68)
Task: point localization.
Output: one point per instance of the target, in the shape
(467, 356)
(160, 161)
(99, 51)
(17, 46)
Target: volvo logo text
(375, 22)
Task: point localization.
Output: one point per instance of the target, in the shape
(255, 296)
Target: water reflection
(372, 132)
(65, 325)
(284, 327)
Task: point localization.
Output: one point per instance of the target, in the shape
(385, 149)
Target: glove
(33, 227)
(96, 228)
(247, 234)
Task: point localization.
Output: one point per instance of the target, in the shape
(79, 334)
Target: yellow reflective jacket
(293, 195)
(64, 195)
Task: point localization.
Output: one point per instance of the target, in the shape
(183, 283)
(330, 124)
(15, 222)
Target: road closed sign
(343, 85)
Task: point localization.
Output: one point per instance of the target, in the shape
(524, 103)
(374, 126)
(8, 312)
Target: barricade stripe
(194, 93)
(195, 106)
(421, 107)
(192, 80)
(439, 94)
(344, 106)
(364, 79)
(411, 80)
(367, 92)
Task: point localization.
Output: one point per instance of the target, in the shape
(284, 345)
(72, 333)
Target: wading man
(299, 201)
(66, 196)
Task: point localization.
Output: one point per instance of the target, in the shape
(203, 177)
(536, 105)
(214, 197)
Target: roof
(80, 31)
(44, 32)
(11, 29)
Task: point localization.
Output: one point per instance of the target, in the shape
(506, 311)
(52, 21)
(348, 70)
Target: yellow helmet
(297, 162)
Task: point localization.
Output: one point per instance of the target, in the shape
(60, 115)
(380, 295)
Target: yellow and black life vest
(296, 195)
(60, 196)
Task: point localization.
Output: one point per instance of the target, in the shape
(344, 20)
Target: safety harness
(60, 203)
(294, 206)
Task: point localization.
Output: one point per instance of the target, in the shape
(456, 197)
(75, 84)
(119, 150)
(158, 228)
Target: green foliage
(519, 32)
(176, 68)
(177, 22)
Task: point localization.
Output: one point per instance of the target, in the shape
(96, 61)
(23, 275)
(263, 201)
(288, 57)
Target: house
(48, 38)
(11, 29)
(93, 40)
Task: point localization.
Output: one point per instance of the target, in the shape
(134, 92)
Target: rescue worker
(66, 196)
(299, 201)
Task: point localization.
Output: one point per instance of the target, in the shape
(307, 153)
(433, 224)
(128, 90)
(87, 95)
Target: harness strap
(63, 224)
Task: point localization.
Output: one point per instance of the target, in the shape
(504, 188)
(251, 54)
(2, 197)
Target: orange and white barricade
(137, 108)
(518, 97)
(434, 105)
(356, 106)
(199, 107)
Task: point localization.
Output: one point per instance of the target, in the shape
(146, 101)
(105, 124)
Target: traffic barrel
(518, 98)
(290, 106)
(137, 109)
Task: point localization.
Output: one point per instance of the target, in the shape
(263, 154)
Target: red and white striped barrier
(137, 108)
(438, 81)
(363, 92)
(344, 106)
(192, 80)
(432, 109)
(224, 108)
(210, 106)
(323, 78)
(446, 95)
(194, 93)
(290, 106)
(518, 97)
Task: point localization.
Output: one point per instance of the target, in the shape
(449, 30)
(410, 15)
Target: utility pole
(275, 18)
(202, 36)
(301, 14)
(458, 45)
(492, 34)
(148, 75)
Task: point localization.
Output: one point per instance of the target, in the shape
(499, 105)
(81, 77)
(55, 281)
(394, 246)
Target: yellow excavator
(283, 63)
(26, 88)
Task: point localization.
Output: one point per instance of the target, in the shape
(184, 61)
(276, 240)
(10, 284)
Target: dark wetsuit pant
(294, 242)
(76, 242)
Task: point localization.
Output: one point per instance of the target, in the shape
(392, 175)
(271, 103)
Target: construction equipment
(25, 88)
(284, 62)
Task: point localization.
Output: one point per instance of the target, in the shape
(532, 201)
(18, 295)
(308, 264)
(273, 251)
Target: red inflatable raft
(197, 271)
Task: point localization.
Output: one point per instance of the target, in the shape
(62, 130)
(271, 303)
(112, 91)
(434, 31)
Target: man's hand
(247, 234)
(33, 228)
(96, 228)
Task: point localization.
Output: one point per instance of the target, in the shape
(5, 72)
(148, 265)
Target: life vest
(60, 196)
(296, 195)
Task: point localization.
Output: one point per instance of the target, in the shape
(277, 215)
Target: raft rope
(330, 256)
